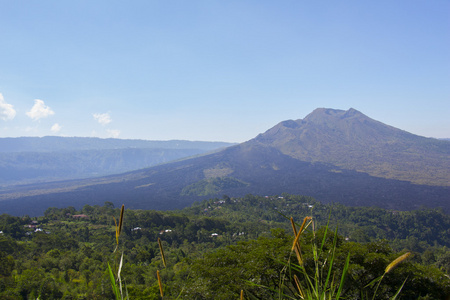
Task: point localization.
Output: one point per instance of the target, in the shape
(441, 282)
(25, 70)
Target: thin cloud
(103, 119)
(31, 129)
(39, 110)
(7, 111)
(114, 133)
(56, 128)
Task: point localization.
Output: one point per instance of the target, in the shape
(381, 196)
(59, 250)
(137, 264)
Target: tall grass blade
(163, 257)
(330, 269)
(326, 231)
(160, 284)
(126, 292)
(344, 274)
(399, 290)
(118, 275)
(299, 287)
(113, 283)
(117, 231)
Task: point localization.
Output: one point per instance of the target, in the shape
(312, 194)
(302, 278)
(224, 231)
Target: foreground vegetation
(220, 247)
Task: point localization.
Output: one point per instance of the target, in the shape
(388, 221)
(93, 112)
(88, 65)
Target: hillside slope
(235, 171)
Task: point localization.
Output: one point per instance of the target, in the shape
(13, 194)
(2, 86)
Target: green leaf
(113, 283)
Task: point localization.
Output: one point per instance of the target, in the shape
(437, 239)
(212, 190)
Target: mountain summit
(332, 155)
(351, 140)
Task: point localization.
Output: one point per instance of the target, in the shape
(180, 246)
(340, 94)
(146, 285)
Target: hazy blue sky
(219, 70)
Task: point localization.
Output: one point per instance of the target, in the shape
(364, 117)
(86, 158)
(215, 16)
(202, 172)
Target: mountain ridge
(268, 165)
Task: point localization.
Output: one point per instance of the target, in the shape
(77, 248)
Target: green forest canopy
(216, 248)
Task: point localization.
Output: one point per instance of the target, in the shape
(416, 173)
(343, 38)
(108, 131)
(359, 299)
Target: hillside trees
(226, 246)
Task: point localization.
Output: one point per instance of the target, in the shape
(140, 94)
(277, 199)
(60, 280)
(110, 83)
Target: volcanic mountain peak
(320, 115)
(323, 123)
(351, 140)
(346, 120)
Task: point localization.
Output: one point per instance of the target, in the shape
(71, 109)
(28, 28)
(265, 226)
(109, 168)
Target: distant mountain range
(33, 159)
(57, 143)
(332, 155)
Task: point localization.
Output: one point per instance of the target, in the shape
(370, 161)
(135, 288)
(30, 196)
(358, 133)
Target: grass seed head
(160, 284)
(293, 226)
(121, 218)
(299, 287)
(119, 227)
(162, 252)
(396, 262)
(299, 232)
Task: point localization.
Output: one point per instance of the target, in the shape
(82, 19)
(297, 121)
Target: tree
(6, 264)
